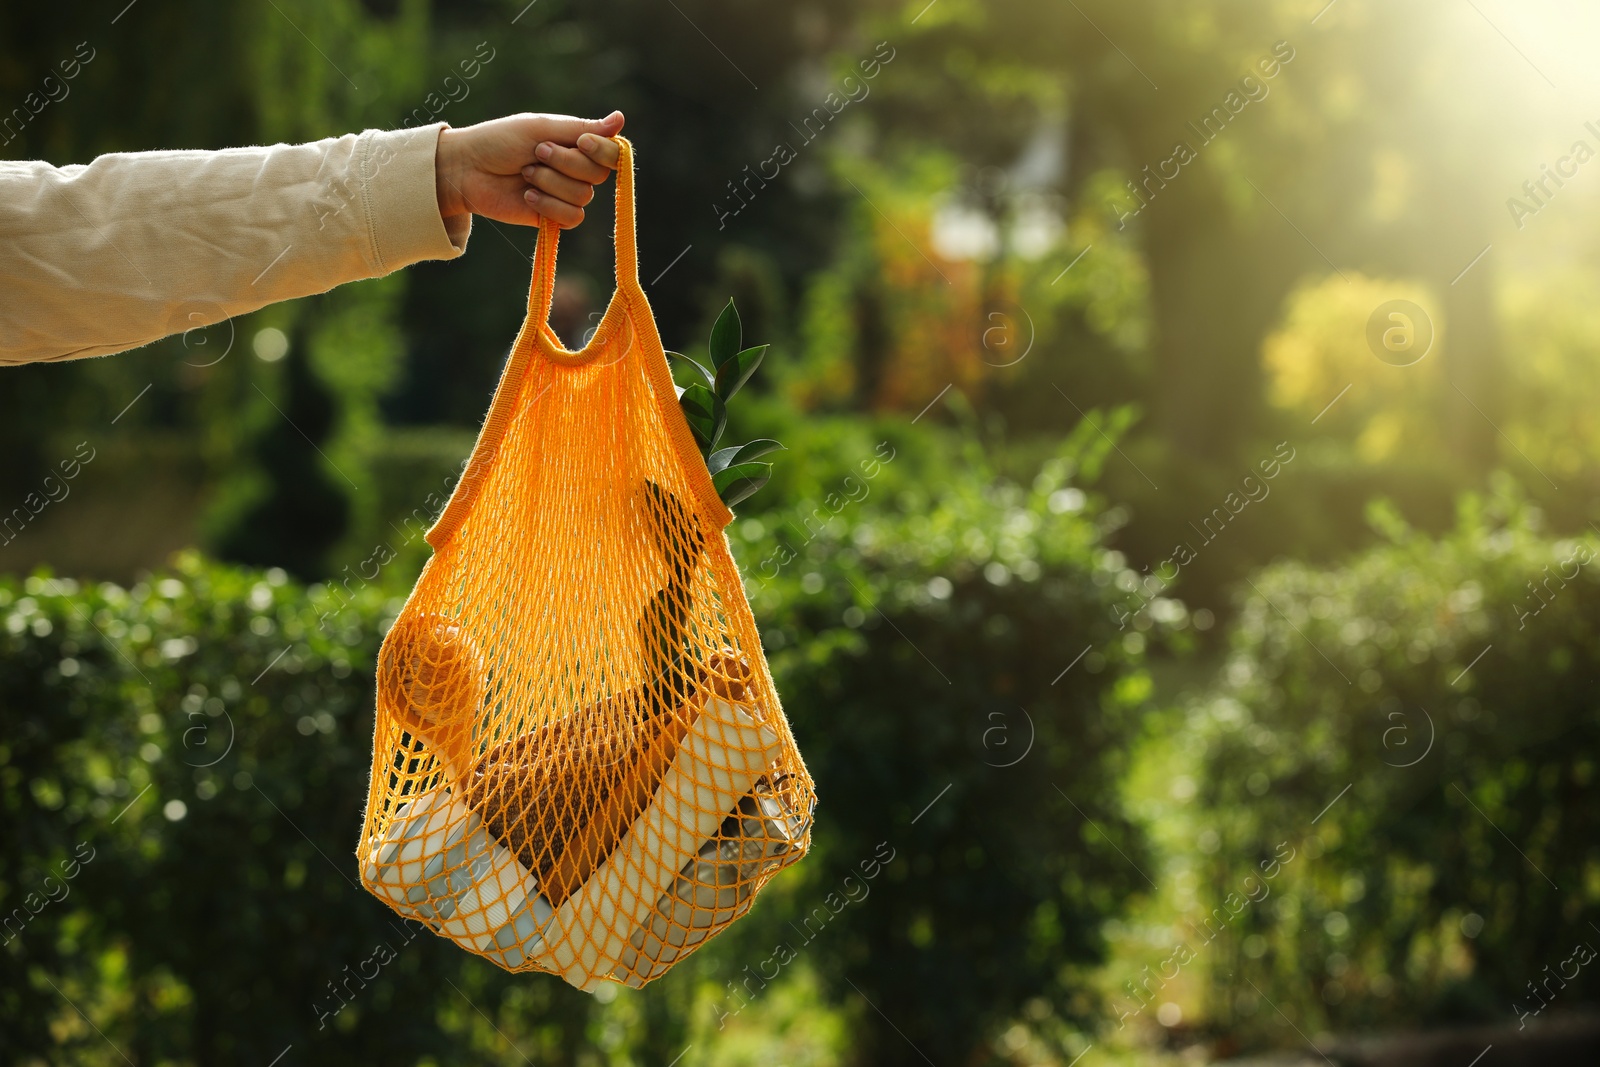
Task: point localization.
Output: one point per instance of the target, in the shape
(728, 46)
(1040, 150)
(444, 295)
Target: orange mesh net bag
(580, 764)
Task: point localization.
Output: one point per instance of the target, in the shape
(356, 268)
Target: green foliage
(1449, 684)
(726, 337)
(921, 640)
(302, 508)
(704, 403)
(1193, 310)
(247, 700)
(206, 735)
(707, 415)
(735, 371)
(694, 365)
(739, 481)
(723, 458)
(734, 363)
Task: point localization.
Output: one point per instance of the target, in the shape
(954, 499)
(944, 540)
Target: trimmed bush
(200, 745)
(923, 645)
(1437, 698)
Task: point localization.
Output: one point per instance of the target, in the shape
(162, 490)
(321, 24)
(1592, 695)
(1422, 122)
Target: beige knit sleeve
(132, 247)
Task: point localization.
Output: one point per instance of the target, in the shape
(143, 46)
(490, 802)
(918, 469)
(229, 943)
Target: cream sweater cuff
(402, 210)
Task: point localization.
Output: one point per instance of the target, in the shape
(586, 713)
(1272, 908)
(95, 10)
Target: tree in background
(302, 511)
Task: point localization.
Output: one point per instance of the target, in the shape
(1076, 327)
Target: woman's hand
(522, 167)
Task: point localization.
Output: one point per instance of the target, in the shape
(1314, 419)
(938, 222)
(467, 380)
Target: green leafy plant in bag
(736, 470)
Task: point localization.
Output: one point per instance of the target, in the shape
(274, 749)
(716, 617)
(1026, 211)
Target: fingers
(560, 212)
(569, 157)
(563, 181)
(571, 162)
(575, 192)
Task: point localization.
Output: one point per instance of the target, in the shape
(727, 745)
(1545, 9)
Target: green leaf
(738, 482)
(707, 414)
(723, 458)
(732, 375)
(725, 334)
(700, 368)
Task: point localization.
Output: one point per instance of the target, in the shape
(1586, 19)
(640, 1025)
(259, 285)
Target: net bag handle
(627, 268)
(628, 311)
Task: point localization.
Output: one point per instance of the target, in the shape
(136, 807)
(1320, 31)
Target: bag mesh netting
(580, 763)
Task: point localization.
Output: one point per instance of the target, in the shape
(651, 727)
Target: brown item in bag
(574, 822)
(560, 800)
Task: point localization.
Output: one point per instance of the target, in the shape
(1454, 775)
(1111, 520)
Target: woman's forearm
(130, 248)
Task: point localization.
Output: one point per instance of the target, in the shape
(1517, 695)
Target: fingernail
(529, 171)
(531, 196)
(588, 142)
(544, 150)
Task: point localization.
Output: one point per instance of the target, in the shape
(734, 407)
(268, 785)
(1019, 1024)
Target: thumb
(609, 126)
(565, 129)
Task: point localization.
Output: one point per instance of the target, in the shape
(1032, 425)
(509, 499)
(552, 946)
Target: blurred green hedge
(960, 632)
(1449, 684)
(207, 735)
(184, 765)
